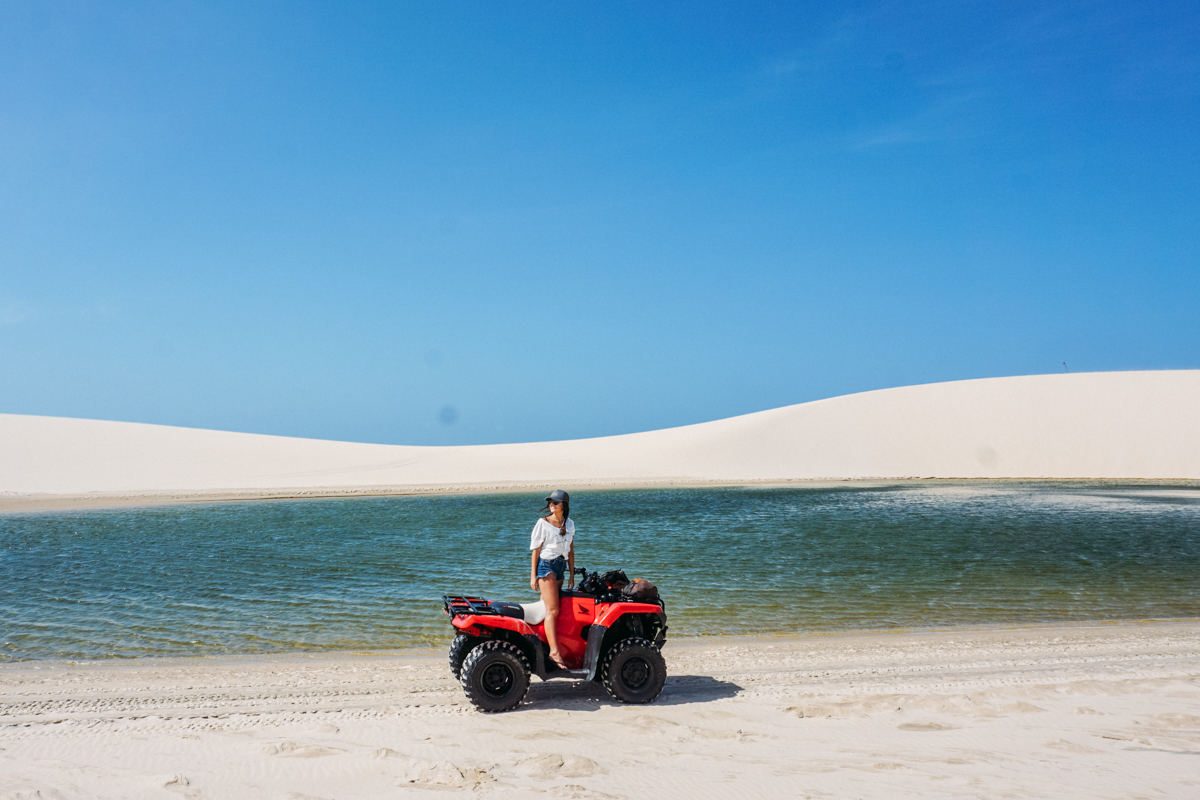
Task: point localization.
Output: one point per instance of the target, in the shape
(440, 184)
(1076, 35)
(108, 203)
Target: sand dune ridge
(1134, 425)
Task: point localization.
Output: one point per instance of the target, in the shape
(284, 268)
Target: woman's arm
(571, 567)
(533, 569)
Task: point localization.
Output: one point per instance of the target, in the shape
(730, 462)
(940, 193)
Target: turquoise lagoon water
(368, 573)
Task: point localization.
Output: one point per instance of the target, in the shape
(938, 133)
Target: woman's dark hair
(566, 504)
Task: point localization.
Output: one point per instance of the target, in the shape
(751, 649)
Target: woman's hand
(533, 583)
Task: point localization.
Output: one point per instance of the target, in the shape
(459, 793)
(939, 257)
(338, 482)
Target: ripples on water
(368, 573)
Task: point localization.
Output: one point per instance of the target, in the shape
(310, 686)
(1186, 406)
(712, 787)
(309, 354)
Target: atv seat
(534, 612)
(507, 609)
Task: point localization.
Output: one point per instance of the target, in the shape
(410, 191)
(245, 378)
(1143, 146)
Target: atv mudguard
(609, 616)
(484, 627)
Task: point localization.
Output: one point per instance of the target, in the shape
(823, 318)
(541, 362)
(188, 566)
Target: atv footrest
(574, 674)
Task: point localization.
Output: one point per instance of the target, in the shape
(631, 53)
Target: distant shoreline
(17, 503)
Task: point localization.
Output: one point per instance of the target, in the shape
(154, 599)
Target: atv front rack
(457, 605)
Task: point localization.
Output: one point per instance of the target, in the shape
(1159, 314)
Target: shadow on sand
(590, 696)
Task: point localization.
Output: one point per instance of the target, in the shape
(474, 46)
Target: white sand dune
(1091, 425)
(1098, 711)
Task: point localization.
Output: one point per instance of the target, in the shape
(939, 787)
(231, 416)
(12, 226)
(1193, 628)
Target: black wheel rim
(635, 673)
(497, 680)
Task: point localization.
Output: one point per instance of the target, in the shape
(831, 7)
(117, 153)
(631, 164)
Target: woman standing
(553, 546)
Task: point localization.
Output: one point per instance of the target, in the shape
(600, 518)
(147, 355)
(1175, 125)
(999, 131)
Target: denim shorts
(556, 567)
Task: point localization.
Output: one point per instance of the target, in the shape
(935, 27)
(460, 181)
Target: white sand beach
(1118, 425)
(1083, 711)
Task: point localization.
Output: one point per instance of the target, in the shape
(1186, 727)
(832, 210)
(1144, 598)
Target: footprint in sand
(555, 765)
(543, 735)
(574, 791)
(178, 784)
(1071, 747)
(1176, 720)
(717, 715)
(926, 726)
(825, 711)
(658, 727)
(297, 750)
(441, 774)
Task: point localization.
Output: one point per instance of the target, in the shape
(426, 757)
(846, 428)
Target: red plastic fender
(609, 615)
(478, 625)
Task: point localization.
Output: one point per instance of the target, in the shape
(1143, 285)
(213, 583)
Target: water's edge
(1191, 625)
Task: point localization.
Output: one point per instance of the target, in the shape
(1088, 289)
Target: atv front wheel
(495, 676)
(459, 648)
(633, 671)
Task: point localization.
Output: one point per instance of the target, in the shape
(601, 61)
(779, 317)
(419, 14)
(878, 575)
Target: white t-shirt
(552, 543)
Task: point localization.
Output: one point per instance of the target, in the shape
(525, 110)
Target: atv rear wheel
(459, 648)
(633, 671)
(495, 676)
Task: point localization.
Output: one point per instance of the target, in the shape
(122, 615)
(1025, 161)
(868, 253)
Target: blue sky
(475, 222)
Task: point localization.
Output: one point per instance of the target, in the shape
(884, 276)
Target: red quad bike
(604, 635)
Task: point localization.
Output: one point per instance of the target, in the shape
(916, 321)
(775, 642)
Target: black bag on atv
(641, 590)
(592, 585)
(614, 579)
(608, 584)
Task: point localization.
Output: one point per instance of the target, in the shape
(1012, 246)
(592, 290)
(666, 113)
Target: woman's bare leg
(549, 587)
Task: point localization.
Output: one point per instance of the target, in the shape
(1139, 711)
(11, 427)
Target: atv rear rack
(458, 605)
